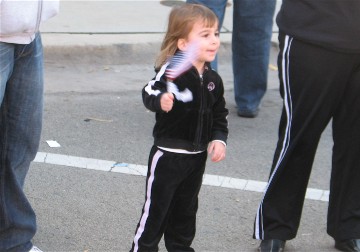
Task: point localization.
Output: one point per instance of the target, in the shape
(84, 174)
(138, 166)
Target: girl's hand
(167, 102)
(217, 151)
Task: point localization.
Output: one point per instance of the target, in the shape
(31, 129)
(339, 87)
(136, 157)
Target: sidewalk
(102, 29)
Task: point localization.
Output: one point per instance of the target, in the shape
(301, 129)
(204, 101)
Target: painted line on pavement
(141, 170)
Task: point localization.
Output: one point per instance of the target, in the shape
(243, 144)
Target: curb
(113, 49)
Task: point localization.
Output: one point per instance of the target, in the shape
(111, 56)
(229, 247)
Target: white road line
(134, 169)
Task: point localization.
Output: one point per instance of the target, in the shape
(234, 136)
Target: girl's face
(207, 40)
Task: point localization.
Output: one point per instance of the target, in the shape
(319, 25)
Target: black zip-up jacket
(334, 24)
(196, 118)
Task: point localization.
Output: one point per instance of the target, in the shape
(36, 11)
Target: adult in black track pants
(319, 72)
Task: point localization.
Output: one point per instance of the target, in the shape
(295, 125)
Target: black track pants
(172, 188)
(317, 85)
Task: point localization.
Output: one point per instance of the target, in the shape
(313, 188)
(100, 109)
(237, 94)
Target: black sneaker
(348, 245)
(272, 245)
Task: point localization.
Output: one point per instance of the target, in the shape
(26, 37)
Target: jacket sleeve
(220, 129)
(152, 92)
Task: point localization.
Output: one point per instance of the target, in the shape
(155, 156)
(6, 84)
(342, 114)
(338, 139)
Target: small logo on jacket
(211, 86)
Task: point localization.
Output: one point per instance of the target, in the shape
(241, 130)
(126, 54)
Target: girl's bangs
(209, 21)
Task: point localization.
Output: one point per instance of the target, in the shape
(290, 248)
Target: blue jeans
(21, 97)
(251, 41)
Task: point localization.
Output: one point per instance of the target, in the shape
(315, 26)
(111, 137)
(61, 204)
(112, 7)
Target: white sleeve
(50, 8)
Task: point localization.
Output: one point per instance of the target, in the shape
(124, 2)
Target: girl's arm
(153, 92)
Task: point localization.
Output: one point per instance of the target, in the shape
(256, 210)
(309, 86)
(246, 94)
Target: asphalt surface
(98, 56)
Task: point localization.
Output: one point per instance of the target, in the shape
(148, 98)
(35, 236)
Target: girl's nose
(215, 40)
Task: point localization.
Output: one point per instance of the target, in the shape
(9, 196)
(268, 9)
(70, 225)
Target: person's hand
(217, 151)
(167, 102)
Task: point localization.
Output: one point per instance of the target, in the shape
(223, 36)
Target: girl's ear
(181, 44)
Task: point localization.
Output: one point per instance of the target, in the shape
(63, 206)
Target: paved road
(93, 109)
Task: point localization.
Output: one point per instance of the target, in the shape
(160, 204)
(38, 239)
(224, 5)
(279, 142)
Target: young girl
(189, 119)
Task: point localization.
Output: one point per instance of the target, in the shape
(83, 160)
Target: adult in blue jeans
(251, 41)
(21, 100)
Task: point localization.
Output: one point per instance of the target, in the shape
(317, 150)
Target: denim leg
(251, 41)
(218, 7)
(21, 87)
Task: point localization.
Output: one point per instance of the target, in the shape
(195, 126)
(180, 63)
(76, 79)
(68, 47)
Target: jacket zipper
(200, 118)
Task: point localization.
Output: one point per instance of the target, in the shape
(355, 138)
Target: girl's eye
(217, 34)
